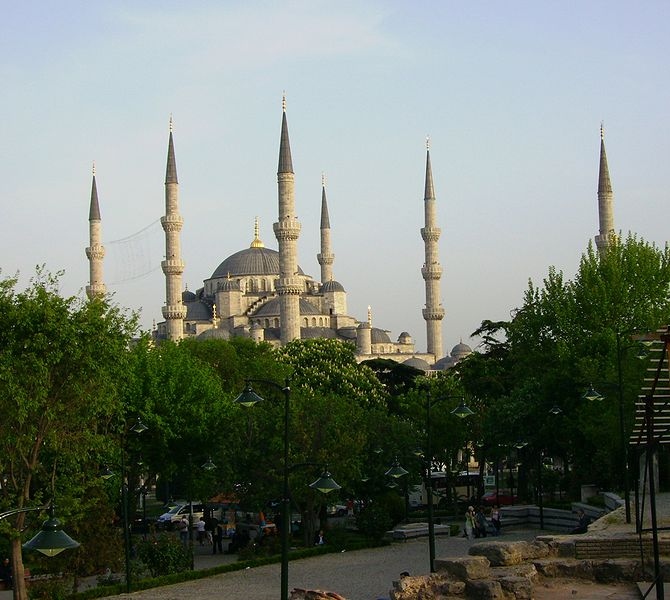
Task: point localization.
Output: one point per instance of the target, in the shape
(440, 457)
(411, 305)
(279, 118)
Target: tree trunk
(20, 592)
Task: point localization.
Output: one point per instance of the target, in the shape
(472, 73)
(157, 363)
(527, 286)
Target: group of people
(477, 525)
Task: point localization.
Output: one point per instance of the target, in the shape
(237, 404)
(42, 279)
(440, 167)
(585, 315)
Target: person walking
(495, 520)
(182, 528)
(469, 522)
(217, 538)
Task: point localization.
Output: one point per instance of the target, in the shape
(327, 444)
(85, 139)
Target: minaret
(605, 199)
(431, 270)
(287, 231)
(174, 310)
(96, 251)
(325, 257)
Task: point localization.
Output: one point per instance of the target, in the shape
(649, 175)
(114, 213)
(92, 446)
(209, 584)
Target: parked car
(498, 499)
(171, 517)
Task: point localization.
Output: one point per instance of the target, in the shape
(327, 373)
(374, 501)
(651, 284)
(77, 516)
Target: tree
(61, 369)
(566, 335)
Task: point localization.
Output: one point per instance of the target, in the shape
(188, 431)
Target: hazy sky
(511, 93)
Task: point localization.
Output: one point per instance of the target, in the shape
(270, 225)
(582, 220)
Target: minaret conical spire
(431, 271)
(95, 251)
(287, 231)
(326, 257)
(174, 310)
(605, 199)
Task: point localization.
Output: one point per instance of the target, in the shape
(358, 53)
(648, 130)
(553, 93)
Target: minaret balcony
(95, 252)
(290, 285)
(431, 234)
(174, 311)
(325, 259)
(287, 229)
(431, 272)
(172, 222)
(172, 267)
(433, 314)
(96, 289)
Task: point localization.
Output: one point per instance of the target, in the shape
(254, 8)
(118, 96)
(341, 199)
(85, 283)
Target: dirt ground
(563, 589)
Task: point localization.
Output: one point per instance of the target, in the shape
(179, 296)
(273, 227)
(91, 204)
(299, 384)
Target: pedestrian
(217, 538)
(469, 522)
(200, 528)
(182, 528)
(582, 522)
(480, 523)
(495, 520)
(6, 573)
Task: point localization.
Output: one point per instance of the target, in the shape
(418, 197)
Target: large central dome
(251, 261)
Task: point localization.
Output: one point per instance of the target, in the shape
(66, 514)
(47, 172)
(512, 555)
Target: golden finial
(93, 168)
(215, 320)
(370, 315)
(256, 243)
(283, 100)
(171, 122)
(602, 130)
(427, 142)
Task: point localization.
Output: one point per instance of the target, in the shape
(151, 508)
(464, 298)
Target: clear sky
(511, 93)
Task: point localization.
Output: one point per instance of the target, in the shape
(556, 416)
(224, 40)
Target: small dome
(379, 336)
(417, 363)
(460, 351)
(187, 296)
(332, 286)
(444, 364)
(405, 338)
(216, 333)
(228, 285)
(347, 333)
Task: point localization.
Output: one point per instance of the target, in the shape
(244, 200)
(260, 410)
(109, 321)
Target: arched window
(313, 321)
(267, 323)
(276, 320)
(306, 322)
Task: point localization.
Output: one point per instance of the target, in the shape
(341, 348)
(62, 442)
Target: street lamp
(324, 484)
(50, 540)
(137, 428)
(462, 411)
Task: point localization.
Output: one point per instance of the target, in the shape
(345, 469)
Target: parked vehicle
(171, 517)
(498, 499)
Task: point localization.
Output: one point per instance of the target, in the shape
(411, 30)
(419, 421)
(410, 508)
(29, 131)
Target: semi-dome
(250, 261)
(332, 286)
(379, 336)
(271, 308)
(444, 364)
(214, 334)
(417, 363)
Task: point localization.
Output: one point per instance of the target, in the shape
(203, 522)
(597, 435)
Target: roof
(250, 261)
(271, 308)
(332, 286)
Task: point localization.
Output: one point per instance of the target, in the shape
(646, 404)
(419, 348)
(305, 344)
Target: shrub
(374, 521)
(164, 555)
(50, 589)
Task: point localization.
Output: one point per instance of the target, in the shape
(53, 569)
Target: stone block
(463, 568)
(509, 553)
(484, 589)
(427, 587)
(519, 588)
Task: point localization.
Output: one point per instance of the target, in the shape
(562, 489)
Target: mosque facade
(263, 294)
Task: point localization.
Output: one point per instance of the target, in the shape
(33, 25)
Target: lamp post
(324, 484)
(461, 411)
(50, 541)
(137, 428)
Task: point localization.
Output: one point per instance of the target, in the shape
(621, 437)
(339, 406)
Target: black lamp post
(51, 539)
(137, 428)
(324, 484)
(462, 411)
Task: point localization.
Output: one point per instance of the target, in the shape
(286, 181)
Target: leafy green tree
(61, 368)
(567, 335)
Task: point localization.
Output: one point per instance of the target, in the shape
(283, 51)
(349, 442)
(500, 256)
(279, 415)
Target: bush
(164, 555)
(374, 521)
(50, 589)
